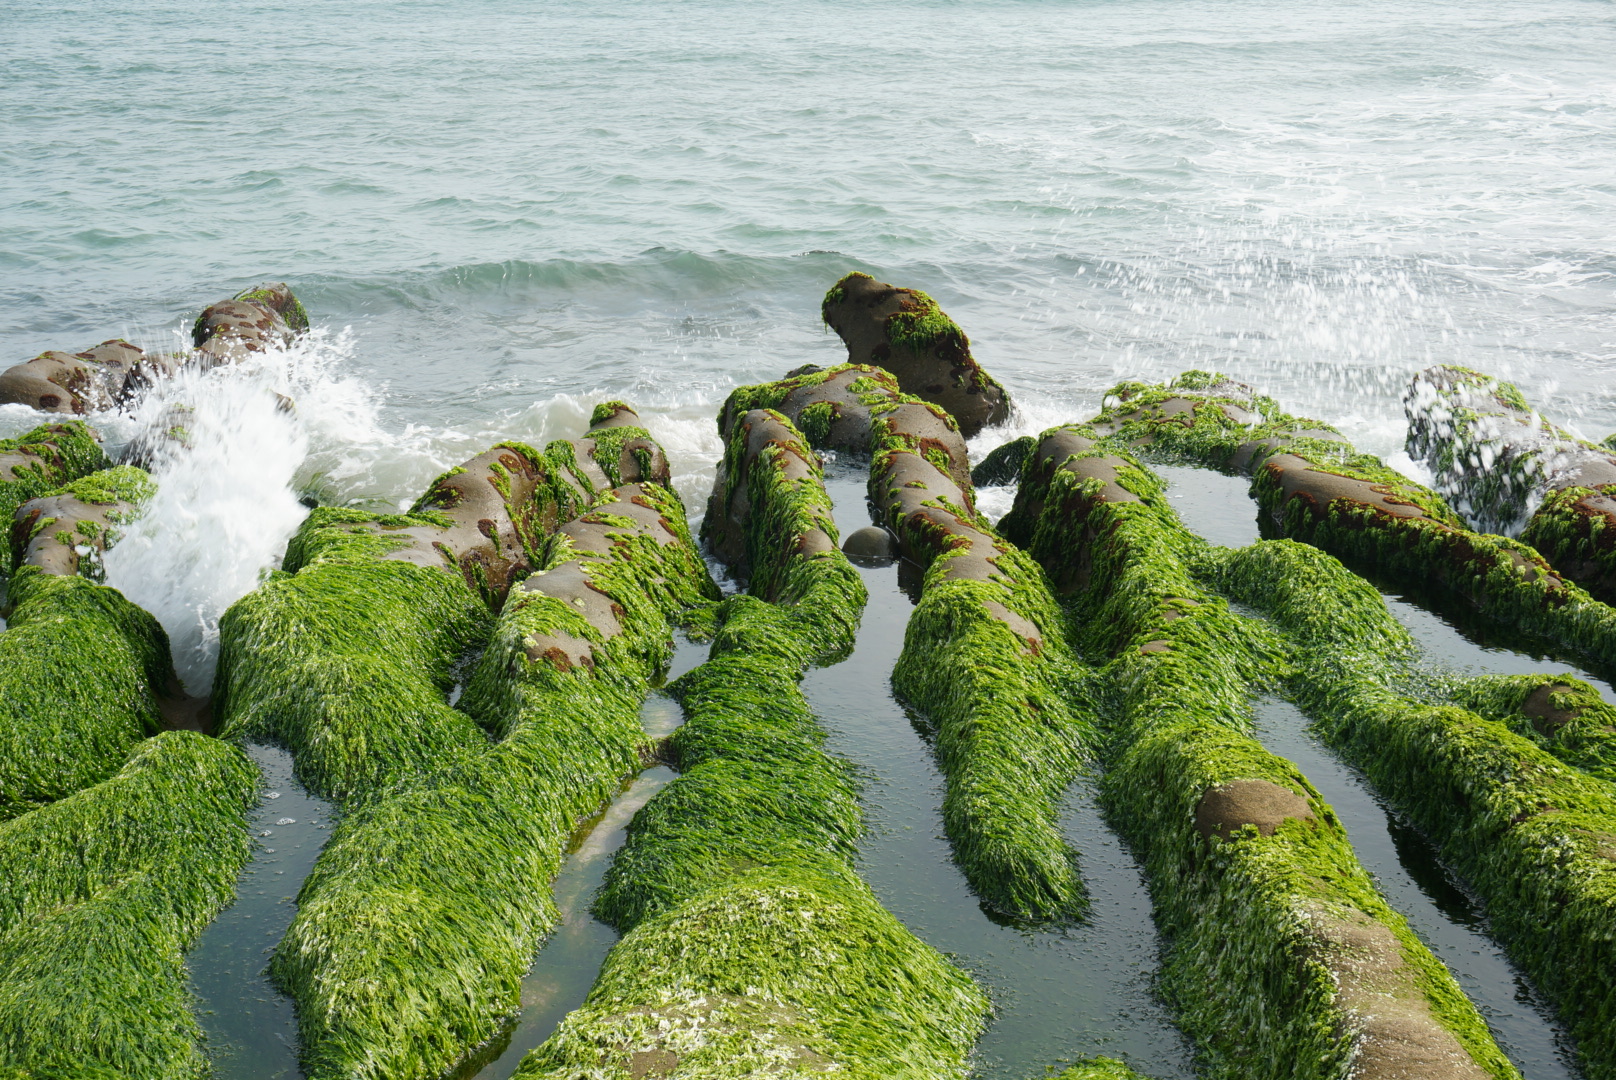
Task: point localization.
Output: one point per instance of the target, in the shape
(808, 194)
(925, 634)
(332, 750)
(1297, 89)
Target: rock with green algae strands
(984, 654)
(1534, 836)
(750, 945)
(82, 670)
(1284, 960)
(68, 530)
(38, 462)
(424, 910)
(903, 331)
(253, 320)
(101, 894)
(1311, 485)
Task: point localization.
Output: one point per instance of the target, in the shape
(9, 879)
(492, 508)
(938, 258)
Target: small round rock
(870, 542)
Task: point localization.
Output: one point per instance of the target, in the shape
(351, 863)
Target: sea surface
(499, 213)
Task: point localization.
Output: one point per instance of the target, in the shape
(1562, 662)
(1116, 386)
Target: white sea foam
(227, 491)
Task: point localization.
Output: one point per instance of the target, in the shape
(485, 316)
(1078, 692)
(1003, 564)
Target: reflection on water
(566, 966)
(250, 1026)
(1058, 995)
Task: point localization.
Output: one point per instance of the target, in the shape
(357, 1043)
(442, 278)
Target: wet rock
(68, 531)
(1539, 705)
(1397, 1036)
(1227, 809)
(40, 461)
(251, 321)
(74, 383)
(1003, 464)
(906, 333)
(871, 543)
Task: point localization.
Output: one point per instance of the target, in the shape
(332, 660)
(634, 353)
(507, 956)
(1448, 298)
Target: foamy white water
(230, 450)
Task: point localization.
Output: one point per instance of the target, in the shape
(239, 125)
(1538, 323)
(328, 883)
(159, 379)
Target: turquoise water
(507, 201)
(500, 212)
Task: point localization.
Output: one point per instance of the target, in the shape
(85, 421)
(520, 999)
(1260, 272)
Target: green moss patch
(101, 894)
(80, 668)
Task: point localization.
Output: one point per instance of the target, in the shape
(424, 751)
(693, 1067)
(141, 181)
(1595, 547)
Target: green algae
(101, 894)
(80, 668)
(1003, 463)
(750, 944)
(1008, 737)
(1100, 1068)
(122, 484)
(1258, 922)
(416, 925)
(1399, 528)
(985, 659)
(1535, 837)
(1572, 722)
(346, 661)
(41, 461)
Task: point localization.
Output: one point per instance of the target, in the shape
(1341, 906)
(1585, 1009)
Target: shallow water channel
(1450, 921)
(1059, 995)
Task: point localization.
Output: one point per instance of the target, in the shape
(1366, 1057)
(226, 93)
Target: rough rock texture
(67, 531)
(1284, 959)
(251, 321)
(984, 654)
(750, 946)
(76, 383)
(1319, 490)
(904, 331)
(38, 462)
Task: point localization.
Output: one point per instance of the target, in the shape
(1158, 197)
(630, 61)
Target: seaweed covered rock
(1284, 958)
(1534, 836)
(1564, 716)
(81, 669)
(251, 321)
(1509, 469)
(904, 331)
(38, 462)
(1493, 455)
(1100, 1068)
(423, 913)
(751, 947)
(75, 383)
(1311, 485)
(984, 654)
(67, 531)
(101, 895)
(1003, 463)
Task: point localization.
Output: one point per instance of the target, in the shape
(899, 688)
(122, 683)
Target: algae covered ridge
(464, 680)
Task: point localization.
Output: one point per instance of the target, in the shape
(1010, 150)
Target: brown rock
(1227, 808)
(904, 331)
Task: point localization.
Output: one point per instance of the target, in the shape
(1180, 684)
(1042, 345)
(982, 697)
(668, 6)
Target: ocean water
(499, 213)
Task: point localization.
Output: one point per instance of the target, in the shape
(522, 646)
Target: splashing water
(229, 449)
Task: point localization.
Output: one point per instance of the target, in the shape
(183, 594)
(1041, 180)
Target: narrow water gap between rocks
(1403, 862)
(1059, 995)
(251, 1027)
(1437, 906)
(570, 958)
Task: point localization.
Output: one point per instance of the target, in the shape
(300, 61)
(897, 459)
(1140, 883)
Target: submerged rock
(871, 543)
(904, 331)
